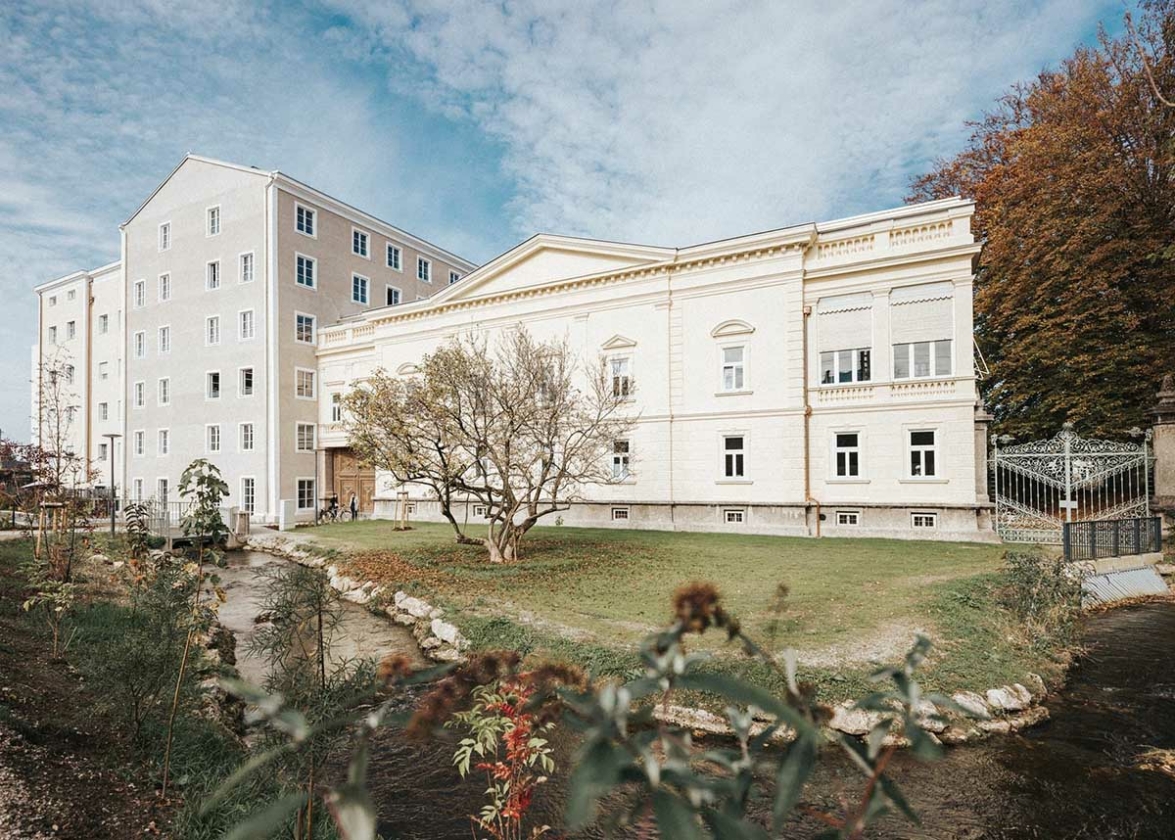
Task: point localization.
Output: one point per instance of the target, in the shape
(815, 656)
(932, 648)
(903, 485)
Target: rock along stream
(1078, 776)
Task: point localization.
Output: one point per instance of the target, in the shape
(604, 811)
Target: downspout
(89, 379)
(669, 382)
(809, 502)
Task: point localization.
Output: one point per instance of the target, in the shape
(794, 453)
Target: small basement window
(924, 520)
(734, 516)
(619, 514)
(480, 511)
(848, 517)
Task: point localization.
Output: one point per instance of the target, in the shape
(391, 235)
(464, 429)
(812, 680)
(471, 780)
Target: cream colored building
(200, 341)
(816, 379)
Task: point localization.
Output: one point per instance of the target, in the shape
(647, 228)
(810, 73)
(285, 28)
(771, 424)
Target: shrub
(1045, 593)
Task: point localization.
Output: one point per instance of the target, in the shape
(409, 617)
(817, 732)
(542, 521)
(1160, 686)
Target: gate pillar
(982, 426)
(1163, 443)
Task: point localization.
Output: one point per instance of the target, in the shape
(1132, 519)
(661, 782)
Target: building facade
(814, 380)
(200, 341)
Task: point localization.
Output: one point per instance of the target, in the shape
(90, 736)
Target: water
(1074, 777)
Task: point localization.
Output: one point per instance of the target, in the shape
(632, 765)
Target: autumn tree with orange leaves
(1073, 175)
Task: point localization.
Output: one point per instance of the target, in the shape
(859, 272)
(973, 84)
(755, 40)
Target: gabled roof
(252, 170)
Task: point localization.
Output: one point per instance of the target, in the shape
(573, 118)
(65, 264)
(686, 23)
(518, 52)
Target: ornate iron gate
(1041, 485)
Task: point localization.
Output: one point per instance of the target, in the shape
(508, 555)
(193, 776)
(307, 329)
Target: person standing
(354, 507)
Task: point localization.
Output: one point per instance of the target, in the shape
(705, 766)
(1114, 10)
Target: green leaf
(251, 766)
(354, 811)
(674, 817)
(726, 827)
(794, 771)
(268, 821)
(598, 771)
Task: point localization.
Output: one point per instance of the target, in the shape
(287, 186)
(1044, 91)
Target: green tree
(1073, 175)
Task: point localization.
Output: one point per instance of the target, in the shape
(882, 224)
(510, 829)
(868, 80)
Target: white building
(816, 379)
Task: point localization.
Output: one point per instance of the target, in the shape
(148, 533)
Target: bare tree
(521, 428)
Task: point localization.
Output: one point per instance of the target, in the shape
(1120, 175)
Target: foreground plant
(631, 756)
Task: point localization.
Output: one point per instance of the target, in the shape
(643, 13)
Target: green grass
(591, 595)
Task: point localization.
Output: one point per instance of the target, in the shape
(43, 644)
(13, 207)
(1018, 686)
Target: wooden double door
(349, 476)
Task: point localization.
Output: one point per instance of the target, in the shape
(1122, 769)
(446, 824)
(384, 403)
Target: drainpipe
(809, 502)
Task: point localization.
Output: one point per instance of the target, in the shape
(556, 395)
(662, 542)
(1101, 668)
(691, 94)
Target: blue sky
(477, 124)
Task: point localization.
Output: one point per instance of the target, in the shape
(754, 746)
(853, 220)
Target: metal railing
(1097, 539)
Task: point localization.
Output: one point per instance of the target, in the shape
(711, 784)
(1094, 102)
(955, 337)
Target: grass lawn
(592, 594)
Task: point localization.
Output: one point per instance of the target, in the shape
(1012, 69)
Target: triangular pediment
(618, 342)
(544, 259)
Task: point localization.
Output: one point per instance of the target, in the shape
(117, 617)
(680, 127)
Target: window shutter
(922, 313)
(844, 322)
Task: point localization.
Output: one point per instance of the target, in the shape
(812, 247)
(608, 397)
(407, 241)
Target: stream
(1073, 777)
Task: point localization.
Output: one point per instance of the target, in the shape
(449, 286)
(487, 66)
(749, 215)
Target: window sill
(847, 480)
(927, 480)
(832, 386)
(743, 393)
(733, 481)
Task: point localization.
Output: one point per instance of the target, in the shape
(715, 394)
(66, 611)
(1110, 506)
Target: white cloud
(682, 120)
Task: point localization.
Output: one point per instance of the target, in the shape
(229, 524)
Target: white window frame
(71, 294)
(212, 221)
(137, 485)
(366, 286)
(312, 213)
(103, 411)
(241, 381)
(163, 339)
(241, 313)
(454, 277)
(139, 294)
(298, 428)
(103, 324)
(853, 370)
(139, 394)
(924, 520)
(621, 469)
(365, 238)
(53, 335)
(102, 452)
(164, 240)
(211, 322)
(211, 430)
(71, 330)
(399, 295)
(139, 344)
(298, 492)
(103, 371)
(621, 514)
(481, 511)
(163, 442)
(723, 452)
(162, 488)
(912, 448)
(313, 263)
(336, 407)
(241, 427)
(52, 300)
(847, 518)
(836, 450)
(424, 270)
(212, 267)
(241, 273)
(734, 516)
(313, 328)
(164, 286)
(248, 505)
(910, 345)
(625, 383)
(396, 264)
(744, 365)
(163, 391)
(139, 443)
(313, 381)
(208, 397)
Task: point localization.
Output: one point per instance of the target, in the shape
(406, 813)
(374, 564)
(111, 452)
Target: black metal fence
(1095, 539)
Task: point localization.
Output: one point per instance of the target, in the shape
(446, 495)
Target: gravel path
(18, 807)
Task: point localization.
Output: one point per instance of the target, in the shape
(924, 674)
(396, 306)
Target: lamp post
(112, 437)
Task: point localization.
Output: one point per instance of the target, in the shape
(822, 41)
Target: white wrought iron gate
(1041, 485)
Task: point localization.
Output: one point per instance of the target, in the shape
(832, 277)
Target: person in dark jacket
(354, 507)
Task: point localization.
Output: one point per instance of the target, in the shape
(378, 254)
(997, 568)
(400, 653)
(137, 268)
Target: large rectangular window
(304, 437)
(165, 391)
(305, 494)
(848, 454)
(423, 270)
(212, 330)
(71, 329)
(336, 407)
(164, 441)
(733, 461)
(164, 339)
(304, 220)
(246, 325)
(141, 344)
(248, 495)
(359, 285)
(393, 296)
(734, 368)
(359, 242)
(922, 454)
(245, 382)
(246, 437)
(621, 377)
(165, 236)
(212, 275)
(212, 388)
(103, 411)
(213, 440)
(213, 221)
(140, 294)
(394, 257)
(620, 455)
(304, 384)
(304, 275)
(139, 445)
(840, 366)
(140, 396)
(922, 359)
(303, 328)
(164, 287)
(246, 268)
